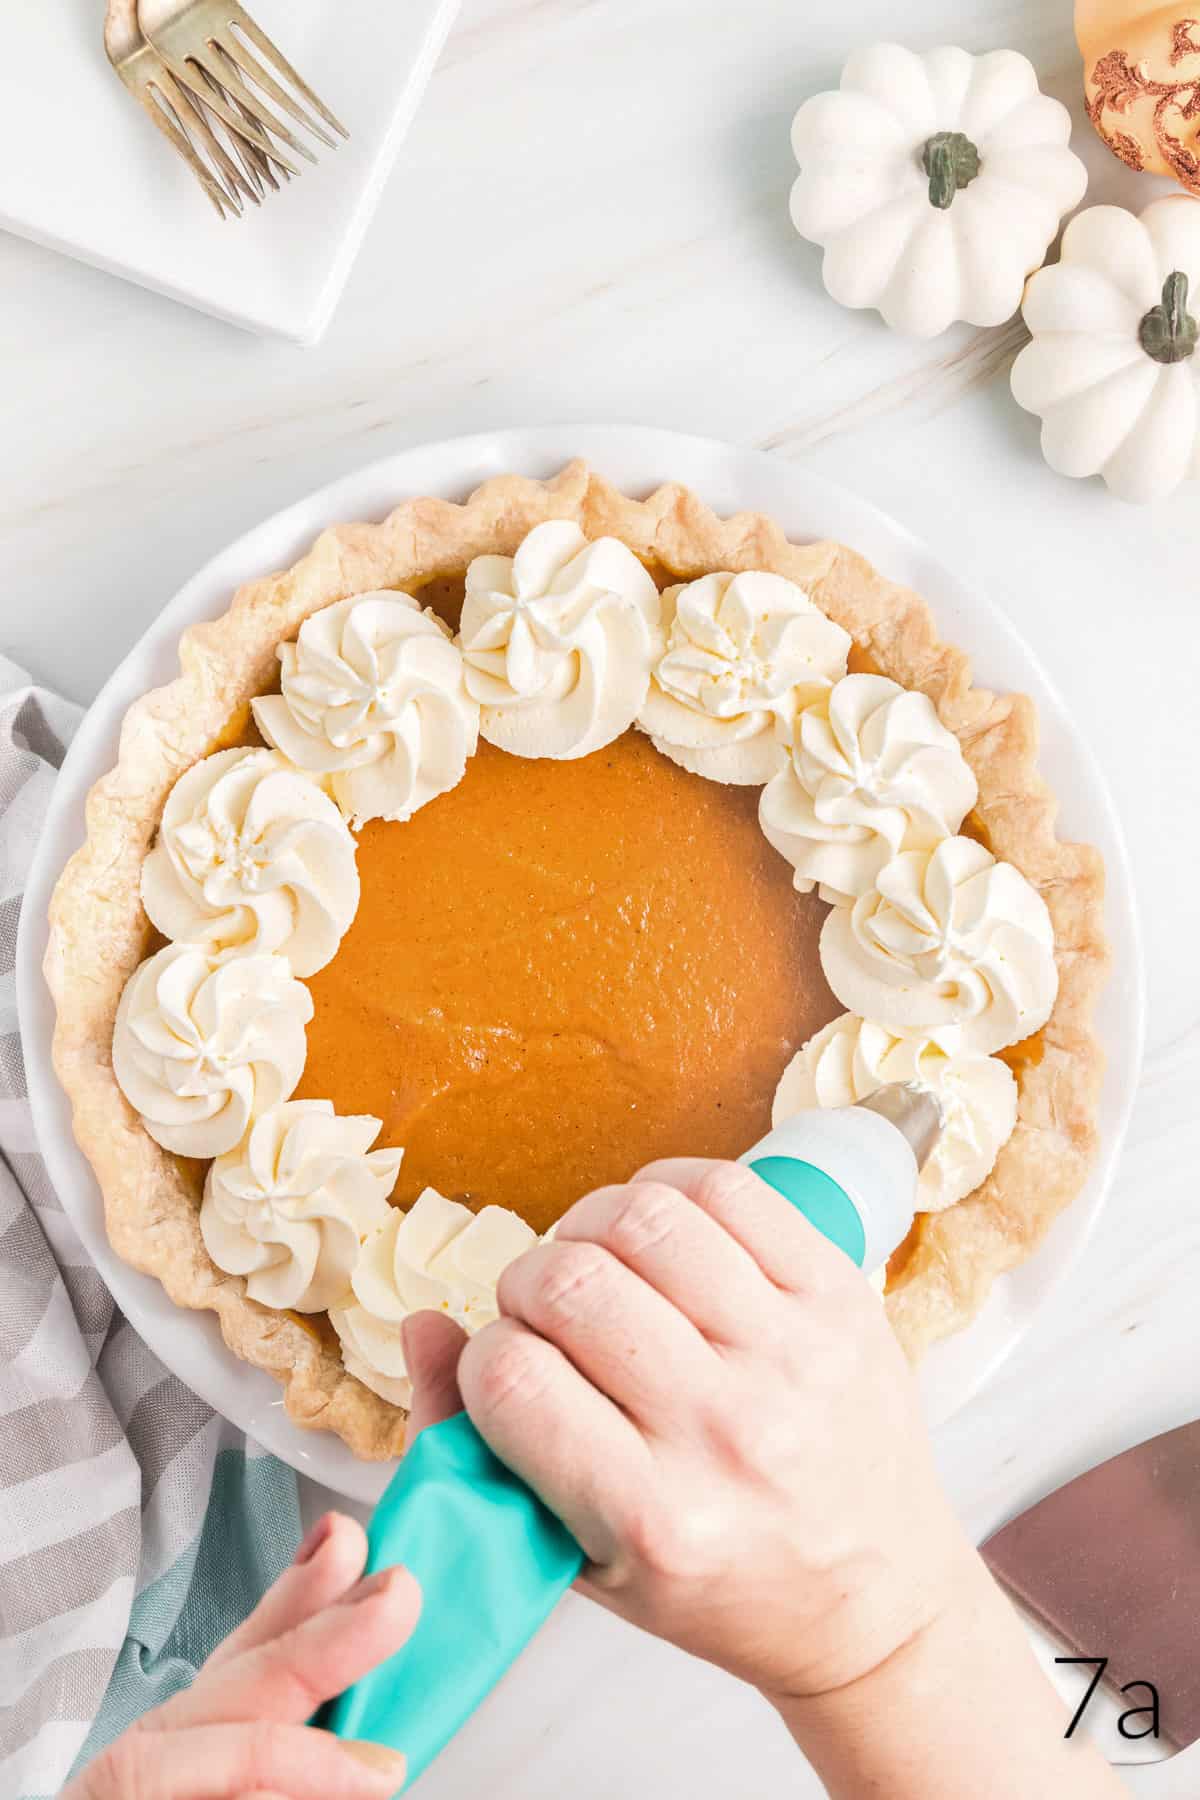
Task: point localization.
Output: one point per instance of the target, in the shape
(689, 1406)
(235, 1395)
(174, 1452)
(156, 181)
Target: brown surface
(1110, 1565)
(98, 931)
(560, 971)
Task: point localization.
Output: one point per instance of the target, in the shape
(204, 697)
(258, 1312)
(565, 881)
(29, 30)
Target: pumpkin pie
(496, 849)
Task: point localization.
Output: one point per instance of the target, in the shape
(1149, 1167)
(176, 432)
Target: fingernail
(410, 1344)
(376, 1756)
(369, 1586)
(420, 1352)
(312, 1541)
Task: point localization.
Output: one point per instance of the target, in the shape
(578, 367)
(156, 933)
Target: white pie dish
(636, 459)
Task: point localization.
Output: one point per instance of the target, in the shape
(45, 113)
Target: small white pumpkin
(935, 183)
(1114, 367)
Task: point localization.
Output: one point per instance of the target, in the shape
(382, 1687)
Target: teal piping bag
(491, 1559)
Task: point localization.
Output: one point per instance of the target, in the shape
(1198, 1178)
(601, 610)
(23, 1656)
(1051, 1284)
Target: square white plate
(83, 170)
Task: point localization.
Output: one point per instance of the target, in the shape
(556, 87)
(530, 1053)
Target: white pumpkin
(934, 182)
(1114, 367)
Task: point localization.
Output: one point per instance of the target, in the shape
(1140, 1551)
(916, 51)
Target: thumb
(432, 1346)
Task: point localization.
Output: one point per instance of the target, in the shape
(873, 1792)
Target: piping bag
(492, 1560)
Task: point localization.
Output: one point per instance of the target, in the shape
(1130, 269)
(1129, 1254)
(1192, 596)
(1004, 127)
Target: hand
(708, 1394)
(238, 1732)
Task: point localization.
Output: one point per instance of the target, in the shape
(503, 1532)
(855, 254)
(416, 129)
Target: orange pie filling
(561, 970)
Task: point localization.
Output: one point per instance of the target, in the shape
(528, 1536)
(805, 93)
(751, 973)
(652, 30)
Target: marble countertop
(589, 222)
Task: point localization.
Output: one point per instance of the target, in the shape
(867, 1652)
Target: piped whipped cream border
(946, 952)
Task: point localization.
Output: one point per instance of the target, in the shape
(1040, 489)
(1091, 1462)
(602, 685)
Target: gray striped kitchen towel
(136, 1528)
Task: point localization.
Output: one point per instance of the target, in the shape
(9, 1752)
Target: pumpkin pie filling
(561, 970)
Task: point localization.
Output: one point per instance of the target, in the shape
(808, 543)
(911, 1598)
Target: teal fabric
(823, 1203)
(250, 1531)
(492, 1561)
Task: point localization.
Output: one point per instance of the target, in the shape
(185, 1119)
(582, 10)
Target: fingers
(565, 1439)
(663, 1236)
(288, 1678)
(789, 1251)
(227, 1762)
(432, 1346)
(620, 1332)
(327, 1564)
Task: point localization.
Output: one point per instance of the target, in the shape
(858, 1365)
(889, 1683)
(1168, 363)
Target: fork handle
(121, 26)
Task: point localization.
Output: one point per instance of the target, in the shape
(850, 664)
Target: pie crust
(99, 932)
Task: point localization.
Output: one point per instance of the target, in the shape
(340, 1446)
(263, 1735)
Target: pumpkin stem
(1168, 332)
(951, 161)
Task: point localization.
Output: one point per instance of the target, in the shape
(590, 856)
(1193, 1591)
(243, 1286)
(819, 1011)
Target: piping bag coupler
(493, 1561)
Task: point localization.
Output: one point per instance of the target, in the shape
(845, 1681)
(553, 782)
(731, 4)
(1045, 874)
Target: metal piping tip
(914, 1111)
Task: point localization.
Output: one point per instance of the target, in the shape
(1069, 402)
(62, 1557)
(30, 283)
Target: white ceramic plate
(636, 459)
(103, 185)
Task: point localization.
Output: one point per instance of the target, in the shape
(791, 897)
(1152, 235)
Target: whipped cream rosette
(203, 1044)
(949, 944)
(744, 654)
(852, 1057)
(291, 1207)
(558, 642)
(251, 855)
(373, 703)
(439, 1255)
(872, 771)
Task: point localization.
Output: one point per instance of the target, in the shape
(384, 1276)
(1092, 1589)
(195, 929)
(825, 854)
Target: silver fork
(203, 106)
(209, 47)
(182, 120)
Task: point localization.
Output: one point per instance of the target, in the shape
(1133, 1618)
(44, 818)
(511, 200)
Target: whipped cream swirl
(374, 704)
(558, 642)
(852, 1057)
(438, 1255)
(949, 944)
(291, 1207)
(204, 1044)
(251, 855)
(872, 771)
(744, 654)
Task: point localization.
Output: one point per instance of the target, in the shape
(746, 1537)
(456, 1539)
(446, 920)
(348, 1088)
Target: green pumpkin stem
(951, 162)
(1169, 333)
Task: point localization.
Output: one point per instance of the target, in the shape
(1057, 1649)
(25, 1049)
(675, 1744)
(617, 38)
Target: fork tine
(247, 61)
(258, 170)
(196, 118)
(265, 166)
(263, 44)
(237, 93)
(246, 155)
(252, 116)
(275, 173)
(251, 160)
(165, 117)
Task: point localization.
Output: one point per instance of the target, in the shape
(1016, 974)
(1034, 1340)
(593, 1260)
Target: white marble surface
(589, 221)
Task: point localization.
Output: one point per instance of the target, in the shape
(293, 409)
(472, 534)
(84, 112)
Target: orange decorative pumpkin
(1142, 71)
